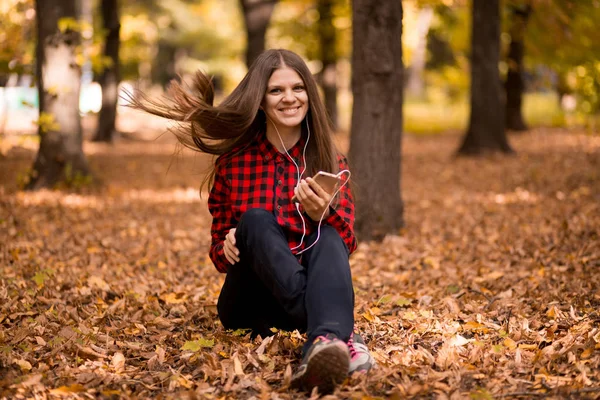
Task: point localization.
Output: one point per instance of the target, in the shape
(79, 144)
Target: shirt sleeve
(219, 205)
(341, 216)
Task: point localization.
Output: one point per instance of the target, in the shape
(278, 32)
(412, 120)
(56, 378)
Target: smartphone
(328, 181)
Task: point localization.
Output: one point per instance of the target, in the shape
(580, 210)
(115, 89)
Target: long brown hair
(238, 120)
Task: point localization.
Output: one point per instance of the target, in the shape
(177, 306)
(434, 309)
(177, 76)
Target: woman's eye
(275, 91)
(299, 88)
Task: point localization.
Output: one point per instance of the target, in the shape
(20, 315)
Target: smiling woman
(283, 268)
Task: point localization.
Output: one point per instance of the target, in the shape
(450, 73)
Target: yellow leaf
(472, 325)
(174, 298)
(587, 353)
(375, 310)
(65, 390)
(24, 365)
(510, 344)
(551, 313)
(93, 250)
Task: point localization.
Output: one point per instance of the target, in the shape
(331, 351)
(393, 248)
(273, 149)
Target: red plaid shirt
(261, 177)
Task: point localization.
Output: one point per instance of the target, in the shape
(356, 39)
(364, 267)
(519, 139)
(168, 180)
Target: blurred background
(159, 40)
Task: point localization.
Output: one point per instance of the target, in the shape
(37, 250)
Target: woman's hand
(313, 198)
(232, 254)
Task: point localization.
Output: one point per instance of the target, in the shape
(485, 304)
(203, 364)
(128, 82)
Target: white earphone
(298, 182)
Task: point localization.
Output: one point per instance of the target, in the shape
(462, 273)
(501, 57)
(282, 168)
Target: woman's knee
(256, 218)
(331, 237)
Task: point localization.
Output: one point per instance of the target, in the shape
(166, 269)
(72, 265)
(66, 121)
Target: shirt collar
(270, 152)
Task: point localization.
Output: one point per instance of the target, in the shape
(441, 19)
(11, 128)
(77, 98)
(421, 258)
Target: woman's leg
(266, 288)
(329, 295)
(245, 303)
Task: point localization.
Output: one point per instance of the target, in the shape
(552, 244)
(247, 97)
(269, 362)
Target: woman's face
(286, 100)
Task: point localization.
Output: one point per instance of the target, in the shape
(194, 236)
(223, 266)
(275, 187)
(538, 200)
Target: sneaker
(360, 358)
(324, 366)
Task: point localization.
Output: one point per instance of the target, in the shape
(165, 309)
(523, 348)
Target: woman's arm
(341, 217)
(219, 205)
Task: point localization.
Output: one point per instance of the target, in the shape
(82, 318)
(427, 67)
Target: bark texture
(377, 84)
(257, 15)
(515, 85)
(487, 121)
(110, 78)
(60, 156)
(328, 77)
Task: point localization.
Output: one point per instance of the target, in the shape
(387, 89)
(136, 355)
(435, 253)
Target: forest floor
(490, 291)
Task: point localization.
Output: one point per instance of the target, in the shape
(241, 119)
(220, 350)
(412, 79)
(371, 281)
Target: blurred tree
(60, 156)
(514, 84)
(109, 78)
(17, 31)
(415, 86)
(328, 75)
(564, 38)
(486, 130)
(377, 85)
(257, 15)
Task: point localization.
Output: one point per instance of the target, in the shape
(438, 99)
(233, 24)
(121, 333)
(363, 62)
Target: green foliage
(570, 47)
(46, 122)
(74, 179)
(17, 35)
(197, 345)
(42, 276)
(295, 22)
(72, 24)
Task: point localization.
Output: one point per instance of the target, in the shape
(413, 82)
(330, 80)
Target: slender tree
(60, 156)
(109, 80)
(415, 86)
(515, 85)
(377, 84)
(487, 122)
(328, 76)
(257, 15)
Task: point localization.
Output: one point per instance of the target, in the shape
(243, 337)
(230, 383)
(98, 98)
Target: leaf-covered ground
(491, 290)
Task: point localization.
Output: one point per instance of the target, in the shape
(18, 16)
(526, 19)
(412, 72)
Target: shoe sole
(326, 369)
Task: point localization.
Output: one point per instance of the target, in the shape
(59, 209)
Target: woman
(286, 260)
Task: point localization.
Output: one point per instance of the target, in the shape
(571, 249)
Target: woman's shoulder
(234, 155)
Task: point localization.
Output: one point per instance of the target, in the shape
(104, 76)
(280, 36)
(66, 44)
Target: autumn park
(472, 133)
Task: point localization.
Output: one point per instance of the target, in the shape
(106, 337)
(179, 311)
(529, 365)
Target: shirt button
(278, 207)
(279, 182)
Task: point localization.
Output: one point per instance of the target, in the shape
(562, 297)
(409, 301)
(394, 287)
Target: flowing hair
(238, 120)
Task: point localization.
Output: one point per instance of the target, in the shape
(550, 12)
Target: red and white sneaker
(324, 366)
(360, 358)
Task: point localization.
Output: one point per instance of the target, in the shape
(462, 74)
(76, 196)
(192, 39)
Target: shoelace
(351, 347)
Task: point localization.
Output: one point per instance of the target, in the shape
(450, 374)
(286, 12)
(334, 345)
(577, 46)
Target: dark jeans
(270, 288)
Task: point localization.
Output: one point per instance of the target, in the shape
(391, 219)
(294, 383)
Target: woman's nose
(288, 95)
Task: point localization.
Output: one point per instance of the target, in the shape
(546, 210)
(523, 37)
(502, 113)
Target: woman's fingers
(232, 254)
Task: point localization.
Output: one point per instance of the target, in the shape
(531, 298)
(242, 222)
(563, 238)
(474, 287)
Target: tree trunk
(487, 122)
(60, 156)
(515, 86)
(109, 80)
(328, 78)
(375, 147)
(257, 15)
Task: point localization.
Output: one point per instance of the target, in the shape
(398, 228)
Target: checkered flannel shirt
(261, 177)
